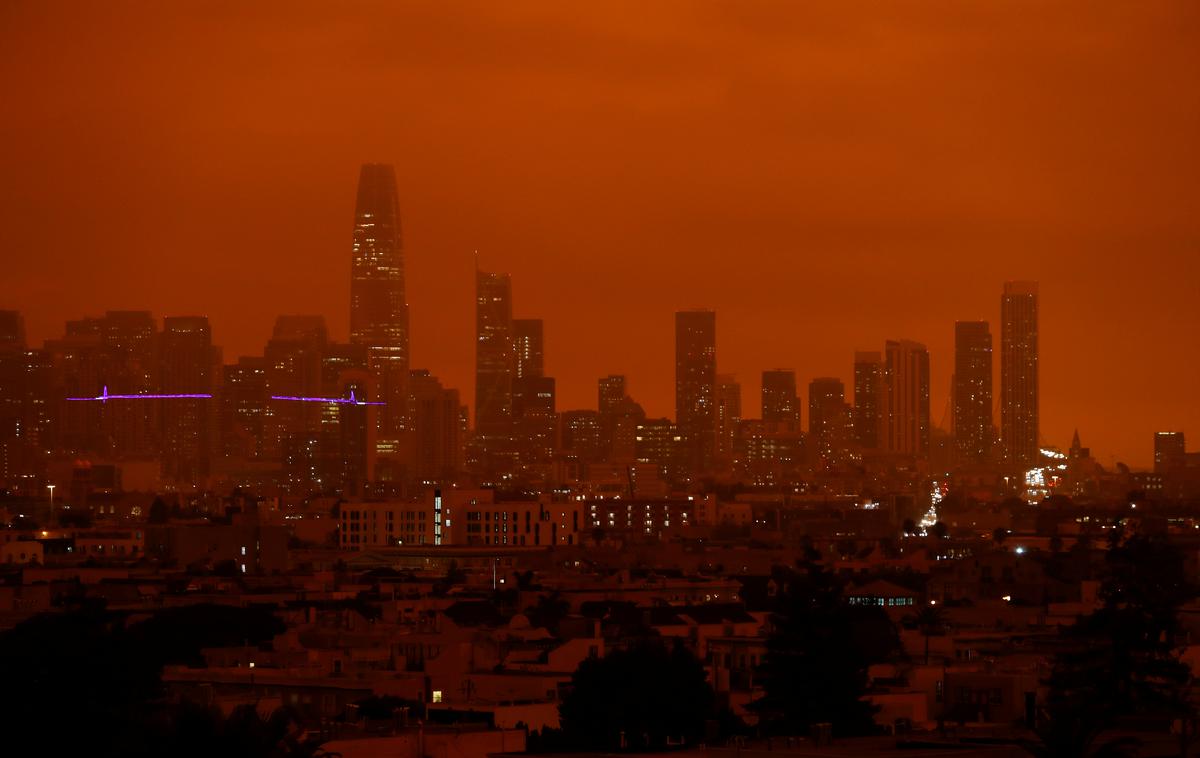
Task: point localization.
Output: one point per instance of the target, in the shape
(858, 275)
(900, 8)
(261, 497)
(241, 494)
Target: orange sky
(825, 175)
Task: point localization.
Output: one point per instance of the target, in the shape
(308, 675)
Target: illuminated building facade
(729, 415)
(827, 420)
(972, 391)
(378, 304)
(1019, 373)
(869, 400)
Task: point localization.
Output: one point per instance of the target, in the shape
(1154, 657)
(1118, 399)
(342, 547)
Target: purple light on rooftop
(333, 400)
(104, 396)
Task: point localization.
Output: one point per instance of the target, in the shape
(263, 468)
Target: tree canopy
(637, 698)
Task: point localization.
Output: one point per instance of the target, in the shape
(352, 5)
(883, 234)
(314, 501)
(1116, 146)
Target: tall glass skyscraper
(495, 358)
(1019, 372)
(378, 306)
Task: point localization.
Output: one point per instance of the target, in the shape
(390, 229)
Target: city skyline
(809, 239)
(525, 344)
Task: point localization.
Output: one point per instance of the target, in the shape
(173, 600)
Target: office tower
(1019, 373)
(907, 398)
(695, 385)
(662, 444)
(768, 452)
(347, 444)
(494, 359)
(1170, 452)
(117, 351)
(527, 341)
(435, 412)
(243, 401)
(729, 415)
(779, 401)
(611, 392)
(972, 391)
(130, 347)
(622, 442)
(610, 395)
(293, 358)
(12, 331)
(580, 438)
(28, 404)
(12, 391)
(869, 400)
(378, 304)
(535, 421)
(187, 363)
(827, 420)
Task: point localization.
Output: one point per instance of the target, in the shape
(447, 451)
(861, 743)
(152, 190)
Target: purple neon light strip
(336, 400)
(102, 398)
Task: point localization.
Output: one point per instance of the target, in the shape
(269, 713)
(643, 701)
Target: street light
(51, 488)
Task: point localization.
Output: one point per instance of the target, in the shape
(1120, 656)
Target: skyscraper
(827, 417)
(1170, 452)
(1019, 372)
(695, 385)
(972, 391)
(435, 419)
(495, 359)
(378, 305)
(243, 408)
(293, 358)
(528, 343)
(869, 400)
(729, 415)
(611, 391)
(187, 367)
(779, 402)
(907, 398)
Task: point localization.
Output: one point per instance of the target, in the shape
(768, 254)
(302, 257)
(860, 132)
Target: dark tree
(637, 698)
(548, 612)
(103, 676)
(930, 621)
(1122, 662)
(159, 512)
(815, 670)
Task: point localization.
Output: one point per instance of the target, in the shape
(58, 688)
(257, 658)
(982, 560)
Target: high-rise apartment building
(972, 391)
(907, 398)
(827, 419)
(870, 397)
(1019, 373)
(729, 415)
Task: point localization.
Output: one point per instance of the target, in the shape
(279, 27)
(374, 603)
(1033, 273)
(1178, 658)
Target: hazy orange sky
(825, 175)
